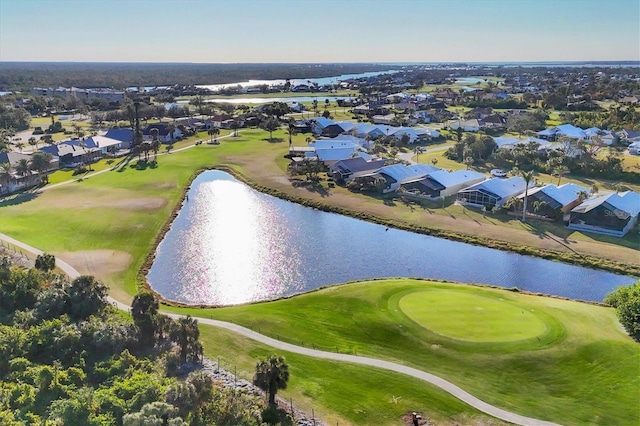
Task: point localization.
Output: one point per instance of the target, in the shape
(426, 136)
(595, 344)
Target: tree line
(25, 75)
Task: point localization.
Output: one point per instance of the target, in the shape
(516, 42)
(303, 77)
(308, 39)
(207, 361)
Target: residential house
(362, 143)
(335, 129)
(564, 130)
(164, 135)
(363, 109)
(479, 113)
(14, 181)
(491, 193)
(364, 130)
(634, 148)
(607, 137)
(125, 136)
(72, 155)
(332, 155)
(506, 142)
(217, 120)
(628, 136)
(443, 183)
(553, 201)
(384, 119)
(613, 214)
(413, 134)
(397, 175)
(102, 143)
(344, 171)
(318, 124)
(495, 121)
(473, 125)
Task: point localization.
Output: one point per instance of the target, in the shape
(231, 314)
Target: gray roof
(503, 188)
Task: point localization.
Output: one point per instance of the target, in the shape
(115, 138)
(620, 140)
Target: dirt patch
(147, 203)
(123, 200)
(100, 263)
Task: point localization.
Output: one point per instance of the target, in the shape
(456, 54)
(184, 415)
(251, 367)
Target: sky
(319, 31)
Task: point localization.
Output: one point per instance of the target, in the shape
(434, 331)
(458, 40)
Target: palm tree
(5, 175)
(560, 171)
(538, 205)
(528, 177)
(186, 335)
(33, 142)
(171, 128)
(155, 142)
(272, 374)
(582, 195)
(22, 168)
(213, 131)
(434, 161)
(20, 145)
(417, 150)
(40, 162)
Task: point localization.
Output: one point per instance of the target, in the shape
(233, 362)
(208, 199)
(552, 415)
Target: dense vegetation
(626, 300)
(25, 75)
(68, 358)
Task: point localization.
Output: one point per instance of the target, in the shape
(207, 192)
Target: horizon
(408, 63)
(331, 32)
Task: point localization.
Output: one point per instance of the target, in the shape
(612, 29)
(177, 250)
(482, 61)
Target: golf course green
(470, 317)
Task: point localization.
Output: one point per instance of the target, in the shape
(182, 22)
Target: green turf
(471, 317)
(582, 369)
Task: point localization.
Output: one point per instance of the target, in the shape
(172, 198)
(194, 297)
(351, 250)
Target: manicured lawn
(574, 367)
(341, 393)
(471, 317)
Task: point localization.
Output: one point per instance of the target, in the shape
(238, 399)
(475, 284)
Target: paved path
(372, 362)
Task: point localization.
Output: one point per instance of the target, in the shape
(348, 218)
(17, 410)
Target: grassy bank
(564, 361)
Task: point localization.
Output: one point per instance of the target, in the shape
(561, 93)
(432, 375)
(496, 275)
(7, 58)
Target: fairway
(471, 317)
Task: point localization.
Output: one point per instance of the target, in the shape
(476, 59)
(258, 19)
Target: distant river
(231, 244)
(295, 81)
(240, 100)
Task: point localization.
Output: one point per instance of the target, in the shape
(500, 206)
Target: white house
(634, 148)
(383, 119)
(443, 183)
(492, 192)
(473, 125)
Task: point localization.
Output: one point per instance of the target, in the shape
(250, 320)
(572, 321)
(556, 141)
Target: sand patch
(100, 263)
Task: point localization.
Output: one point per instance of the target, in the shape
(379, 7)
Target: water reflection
(231, 244)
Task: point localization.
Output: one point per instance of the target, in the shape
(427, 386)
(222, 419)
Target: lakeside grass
(579, 369)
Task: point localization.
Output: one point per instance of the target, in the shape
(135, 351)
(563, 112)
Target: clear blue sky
(319, 31)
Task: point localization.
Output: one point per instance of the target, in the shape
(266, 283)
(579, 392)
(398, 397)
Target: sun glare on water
(236, 244)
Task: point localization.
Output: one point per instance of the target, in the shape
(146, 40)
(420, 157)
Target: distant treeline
(20, 76)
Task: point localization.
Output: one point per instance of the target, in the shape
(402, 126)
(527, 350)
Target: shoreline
(572, 259)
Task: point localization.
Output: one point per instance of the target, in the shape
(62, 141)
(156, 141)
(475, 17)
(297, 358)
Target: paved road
(371, 362)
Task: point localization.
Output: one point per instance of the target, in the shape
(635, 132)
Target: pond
(231, 244)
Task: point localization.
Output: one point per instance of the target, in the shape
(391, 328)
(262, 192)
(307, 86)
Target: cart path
(371, 362)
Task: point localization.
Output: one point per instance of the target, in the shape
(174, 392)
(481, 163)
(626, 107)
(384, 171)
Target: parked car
(498, 173)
